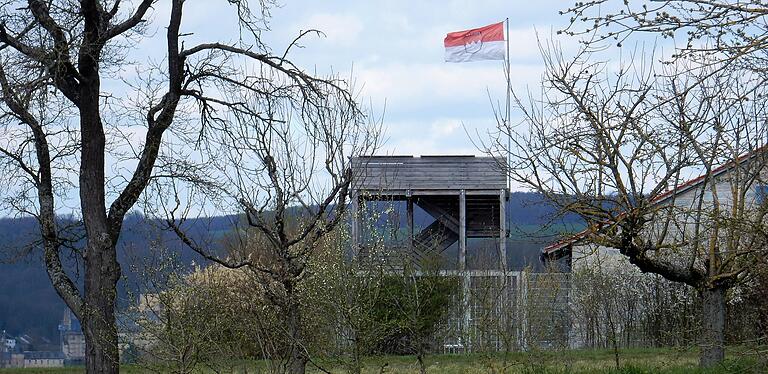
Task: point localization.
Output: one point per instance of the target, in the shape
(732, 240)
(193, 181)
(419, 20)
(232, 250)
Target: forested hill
(29, 304)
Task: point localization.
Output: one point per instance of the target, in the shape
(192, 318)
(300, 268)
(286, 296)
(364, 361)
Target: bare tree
(282, 161)
(76, 137)
(735, 32)
(617, 146)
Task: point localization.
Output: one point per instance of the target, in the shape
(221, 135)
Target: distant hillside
(29, 304)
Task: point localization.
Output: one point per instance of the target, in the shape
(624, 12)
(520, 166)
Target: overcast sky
(395, 51)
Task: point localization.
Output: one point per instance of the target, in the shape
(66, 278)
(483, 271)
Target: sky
(394, 52)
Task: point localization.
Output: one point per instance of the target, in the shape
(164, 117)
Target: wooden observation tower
(465, 195)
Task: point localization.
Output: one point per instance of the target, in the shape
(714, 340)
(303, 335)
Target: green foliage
(209, 318)
(411, 309)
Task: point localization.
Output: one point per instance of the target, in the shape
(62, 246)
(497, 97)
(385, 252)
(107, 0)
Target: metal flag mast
(485, 43)
(509, 146)
(507, 112)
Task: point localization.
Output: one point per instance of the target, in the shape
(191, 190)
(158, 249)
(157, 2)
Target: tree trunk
(101, 268)
(422, 365)
(712, 326)
(297, 359)
(356, 364)
(298, 363)
(99, 327)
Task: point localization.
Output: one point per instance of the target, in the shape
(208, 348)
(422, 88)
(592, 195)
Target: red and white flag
(484, 43)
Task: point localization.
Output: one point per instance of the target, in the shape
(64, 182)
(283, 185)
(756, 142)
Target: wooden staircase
(443, 232)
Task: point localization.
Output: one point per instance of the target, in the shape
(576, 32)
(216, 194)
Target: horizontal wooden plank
(402, 193)
(425, 187)
(428, 168)
(421, 161)
(486, 167)
(476, 183)
(426, 159)
(427, 174)
(480, 180)
(414, 184)
(445, 172)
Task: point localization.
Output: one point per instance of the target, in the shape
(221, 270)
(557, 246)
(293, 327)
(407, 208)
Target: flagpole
(507, 113)
(509, 155)
(509, 149)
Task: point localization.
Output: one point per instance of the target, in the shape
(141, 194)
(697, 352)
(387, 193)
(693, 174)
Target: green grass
(632, 361)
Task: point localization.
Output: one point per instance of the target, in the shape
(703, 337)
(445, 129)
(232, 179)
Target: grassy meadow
(632, 361)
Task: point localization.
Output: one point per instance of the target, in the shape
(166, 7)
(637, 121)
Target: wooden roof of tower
(429, 174)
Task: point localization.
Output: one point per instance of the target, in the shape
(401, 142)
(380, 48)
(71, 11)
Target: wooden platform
(465, 195)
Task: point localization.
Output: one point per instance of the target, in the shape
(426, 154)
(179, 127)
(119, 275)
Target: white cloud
(441, 136)
(341, 29)
(445, 127)
(407, 86)
(524, 44)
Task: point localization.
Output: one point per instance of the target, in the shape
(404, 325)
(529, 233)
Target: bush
(411, 311)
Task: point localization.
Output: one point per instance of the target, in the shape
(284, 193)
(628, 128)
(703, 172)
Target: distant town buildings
(72, 339)
(43, 359)
(8, 352)
(25, 351)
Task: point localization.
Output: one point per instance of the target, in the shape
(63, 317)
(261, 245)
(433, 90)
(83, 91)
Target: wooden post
(410, 219)
(506, 296)
(354, 224)
(522, 308)
(462, 230)
(503, 231)
(467, 282)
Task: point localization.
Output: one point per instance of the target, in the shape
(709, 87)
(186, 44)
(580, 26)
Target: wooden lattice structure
(466, 196)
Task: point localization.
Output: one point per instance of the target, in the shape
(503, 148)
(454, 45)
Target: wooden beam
(410, 221)
(354, 224)
(503, 230)
(466, 280)
(447, 218)
(462, 230)
(401, 194)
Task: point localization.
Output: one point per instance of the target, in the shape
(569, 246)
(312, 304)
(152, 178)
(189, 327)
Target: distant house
(683, 214)
(9, 344)
(43, 359)
(745, 176)
(9, 357)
